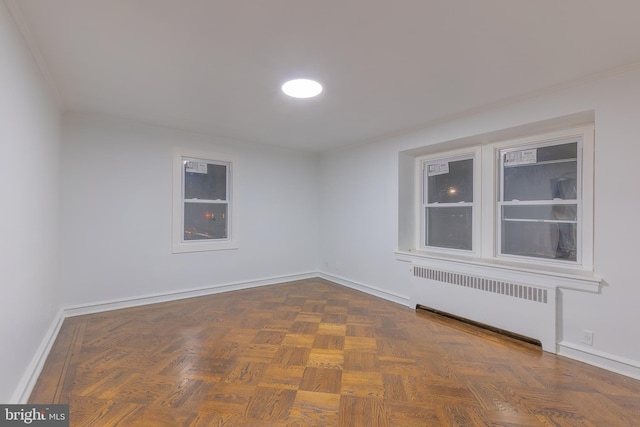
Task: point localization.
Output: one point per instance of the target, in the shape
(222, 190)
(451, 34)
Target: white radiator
(523, 309)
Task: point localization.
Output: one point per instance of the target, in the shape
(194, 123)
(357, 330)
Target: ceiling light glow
(302, 88)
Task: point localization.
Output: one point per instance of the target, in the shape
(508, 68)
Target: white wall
(116, 214)
(111, 222)
(29, 137)
(360, 219)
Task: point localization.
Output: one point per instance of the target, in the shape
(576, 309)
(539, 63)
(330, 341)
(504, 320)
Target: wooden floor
(312, 353)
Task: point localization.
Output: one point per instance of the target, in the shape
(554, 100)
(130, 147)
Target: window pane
(205, 221)
(540, 239)
(449, 227)
(558, 152)
(205, 183)
(541, 182)
(454, 186)
(551, 175)
(546, 212)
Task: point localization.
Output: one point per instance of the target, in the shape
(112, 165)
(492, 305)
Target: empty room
(320, 213)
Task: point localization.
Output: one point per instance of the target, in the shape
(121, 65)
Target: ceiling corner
(16, 14)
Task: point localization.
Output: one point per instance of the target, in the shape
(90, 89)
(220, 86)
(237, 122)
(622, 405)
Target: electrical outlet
(587, 337)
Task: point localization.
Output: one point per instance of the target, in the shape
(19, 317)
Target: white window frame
(179, 244)
(486, 210)
(584, 136)
(500, 203)
(450, 156)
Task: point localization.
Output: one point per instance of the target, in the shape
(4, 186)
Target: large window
(526, 201)
(203, 210)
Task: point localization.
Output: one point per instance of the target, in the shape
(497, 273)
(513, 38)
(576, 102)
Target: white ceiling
(387, 66)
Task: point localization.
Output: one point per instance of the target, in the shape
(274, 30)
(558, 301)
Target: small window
(540, 204)
(202, 202)
(448, 203)
(205, 201)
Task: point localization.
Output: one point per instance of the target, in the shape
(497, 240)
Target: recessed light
(302, 88)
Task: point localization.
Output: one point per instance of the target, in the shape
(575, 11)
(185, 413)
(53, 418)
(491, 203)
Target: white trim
(602, 360)
(116, 304)
(31, 374)
(30, 377)
(609, 362)
(371, 290)
(548, 277)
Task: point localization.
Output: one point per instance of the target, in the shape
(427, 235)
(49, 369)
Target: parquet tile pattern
(313, 353)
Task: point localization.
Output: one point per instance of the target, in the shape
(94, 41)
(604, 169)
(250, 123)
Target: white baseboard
(28, 382)
(610, 362)
(390, 296)
(29, 379)
(606, 361)
(117, 304)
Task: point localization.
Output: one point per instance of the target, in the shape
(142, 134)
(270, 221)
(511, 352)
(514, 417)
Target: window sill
(541, 275)
(196, 246)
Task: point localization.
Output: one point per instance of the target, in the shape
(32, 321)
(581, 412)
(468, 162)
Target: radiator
(522, 309)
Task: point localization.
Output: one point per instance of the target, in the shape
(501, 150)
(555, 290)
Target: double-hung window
(540, 201)
(203, 210)
(448, 214)
(518, 203)
(205, 199)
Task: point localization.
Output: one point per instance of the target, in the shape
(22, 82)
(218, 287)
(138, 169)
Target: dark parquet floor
(313, 353)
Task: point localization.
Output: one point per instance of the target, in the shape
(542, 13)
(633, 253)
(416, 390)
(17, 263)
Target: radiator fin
(527, 292)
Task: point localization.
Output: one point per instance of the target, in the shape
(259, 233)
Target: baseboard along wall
(21, 395)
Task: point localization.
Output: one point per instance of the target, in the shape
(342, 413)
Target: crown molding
(18, 18)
